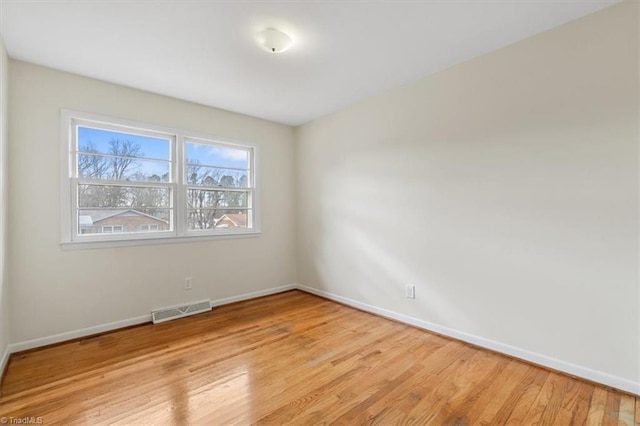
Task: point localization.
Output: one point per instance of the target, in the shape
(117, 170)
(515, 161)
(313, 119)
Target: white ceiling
(203, 51)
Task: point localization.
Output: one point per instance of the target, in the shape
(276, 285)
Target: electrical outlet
(188, 283)
(410, 291)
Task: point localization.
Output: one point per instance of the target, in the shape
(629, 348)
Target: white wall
(56, 291)
(4, 288)
(504, 188)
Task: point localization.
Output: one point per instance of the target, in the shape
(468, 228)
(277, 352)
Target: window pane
(92, 140)
(201, 198)
(212, 155)
(122, 168)
(199, 219)
(197, 175)
(117, 221)
(122, 196)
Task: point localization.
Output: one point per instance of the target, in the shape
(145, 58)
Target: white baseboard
(56, 338)
(3, 361)
(254, 294)
(543, 360)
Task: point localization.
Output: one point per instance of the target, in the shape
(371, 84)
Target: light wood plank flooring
(294, 358)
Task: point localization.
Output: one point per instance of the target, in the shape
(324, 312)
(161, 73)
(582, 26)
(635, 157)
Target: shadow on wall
(490, 229)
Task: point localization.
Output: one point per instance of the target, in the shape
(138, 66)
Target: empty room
(320, 212)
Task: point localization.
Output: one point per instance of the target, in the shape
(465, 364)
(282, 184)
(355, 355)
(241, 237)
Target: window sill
(82, 245)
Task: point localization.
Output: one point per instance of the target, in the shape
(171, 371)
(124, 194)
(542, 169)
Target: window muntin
(130, 182)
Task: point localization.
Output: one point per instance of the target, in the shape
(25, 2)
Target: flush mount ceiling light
(273, 41)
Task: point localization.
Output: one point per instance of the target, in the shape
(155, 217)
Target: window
(217, 184)
(128, 181)
(112, 229)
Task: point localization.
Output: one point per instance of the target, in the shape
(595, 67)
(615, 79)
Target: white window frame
(71, 239)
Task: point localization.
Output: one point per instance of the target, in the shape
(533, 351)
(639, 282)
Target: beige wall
(504, 188)
(56, 291)
(4, 287)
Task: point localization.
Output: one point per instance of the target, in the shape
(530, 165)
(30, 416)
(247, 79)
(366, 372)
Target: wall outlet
(410, 291)
(188, 283)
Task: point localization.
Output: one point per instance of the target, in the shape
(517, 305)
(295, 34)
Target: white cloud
(229, 153)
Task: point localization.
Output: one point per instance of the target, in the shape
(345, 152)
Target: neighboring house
(232, 220)
(118, 221)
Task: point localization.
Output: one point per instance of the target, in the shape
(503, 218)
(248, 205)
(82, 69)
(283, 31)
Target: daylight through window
(139, 182)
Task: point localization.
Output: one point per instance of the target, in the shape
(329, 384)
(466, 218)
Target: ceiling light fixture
(273, 41)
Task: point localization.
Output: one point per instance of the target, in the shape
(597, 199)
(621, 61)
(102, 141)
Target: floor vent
(166, 314)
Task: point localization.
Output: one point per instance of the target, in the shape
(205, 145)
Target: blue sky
(158, 148)
(216, 156)
(151, 147)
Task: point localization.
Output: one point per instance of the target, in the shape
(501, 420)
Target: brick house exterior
(232, 220)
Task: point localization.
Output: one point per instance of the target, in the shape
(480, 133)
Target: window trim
(178, 185)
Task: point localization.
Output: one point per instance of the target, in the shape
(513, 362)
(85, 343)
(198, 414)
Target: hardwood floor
(294, 358)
